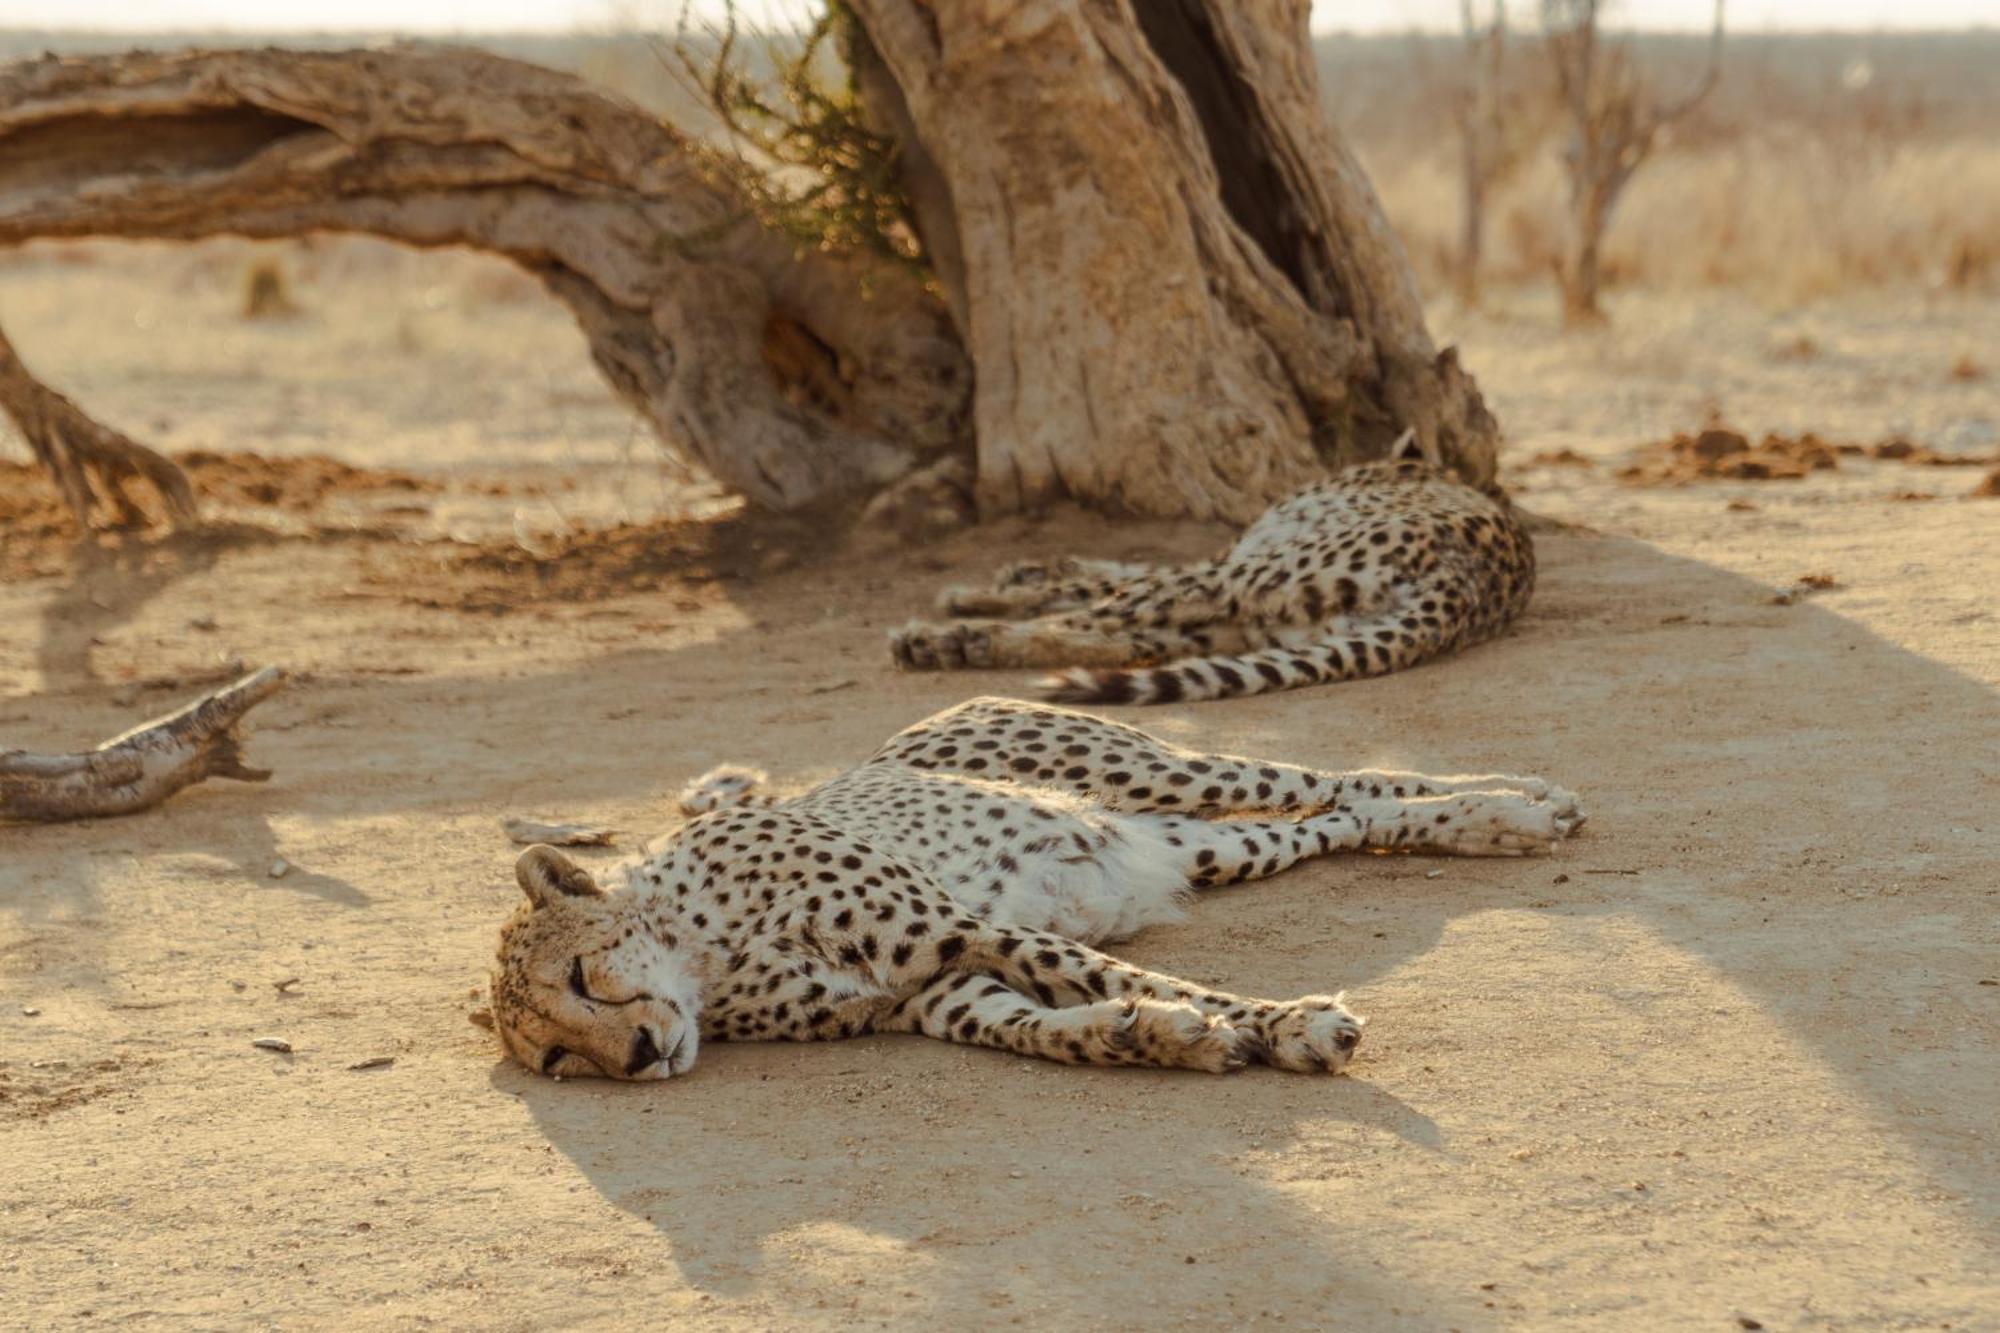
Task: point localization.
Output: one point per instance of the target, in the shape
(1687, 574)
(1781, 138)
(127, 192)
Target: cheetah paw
(1174, 1035)
(925, 646)
(719, 788)
(1313, 1035)
(1502, 823)
(1568, 810)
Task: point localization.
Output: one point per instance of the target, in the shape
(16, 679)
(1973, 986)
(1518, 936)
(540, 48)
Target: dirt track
(1729, 1055)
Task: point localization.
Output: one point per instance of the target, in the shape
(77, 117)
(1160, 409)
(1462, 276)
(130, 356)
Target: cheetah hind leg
(1492, 823)
(723, 788)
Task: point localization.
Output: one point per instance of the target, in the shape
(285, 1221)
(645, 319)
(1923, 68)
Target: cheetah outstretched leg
(1312, 1034)
(1125, 615)
(1032, 587)
(1166, 1034)
(1233, 851)
(1085, 637)
(1127, 769)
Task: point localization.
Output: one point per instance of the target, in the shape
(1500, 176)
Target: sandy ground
(1731, 1056)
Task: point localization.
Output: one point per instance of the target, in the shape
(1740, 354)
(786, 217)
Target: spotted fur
(1380, 567)
(956, 884)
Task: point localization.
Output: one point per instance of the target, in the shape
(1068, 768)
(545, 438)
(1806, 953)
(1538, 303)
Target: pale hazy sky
(573, 15)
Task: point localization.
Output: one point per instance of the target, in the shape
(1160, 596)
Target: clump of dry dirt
(1720, 452)
(41, 1088)
(585, 566)
(237, 493)
(251, 499)
(300, 485)
(590, 565)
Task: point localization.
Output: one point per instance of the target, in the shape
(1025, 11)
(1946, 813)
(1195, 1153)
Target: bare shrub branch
(1614, 125)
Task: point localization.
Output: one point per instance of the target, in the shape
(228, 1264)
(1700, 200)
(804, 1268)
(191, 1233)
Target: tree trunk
(793, 378)
(1181, 294)
(1471, 226)
(1178, 291)
(1581, 275)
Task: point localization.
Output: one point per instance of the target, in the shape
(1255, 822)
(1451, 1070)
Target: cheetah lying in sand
(953, 885)
(1380, 567)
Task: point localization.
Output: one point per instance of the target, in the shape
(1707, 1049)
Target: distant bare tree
(1614, 124)
(1479, 111)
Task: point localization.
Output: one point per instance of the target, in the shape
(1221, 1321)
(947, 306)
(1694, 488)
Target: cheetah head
(585, 985)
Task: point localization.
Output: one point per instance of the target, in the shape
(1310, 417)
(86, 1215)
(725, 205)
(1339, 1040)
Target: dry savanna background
(1727, 1060)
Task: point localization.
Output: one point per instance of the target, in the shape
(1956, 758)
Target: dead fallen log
(142, 767)
(797, 375)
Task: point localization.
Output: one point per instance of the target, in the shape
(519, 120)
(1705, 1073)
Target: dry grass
(1823, 164)
(1782, 215)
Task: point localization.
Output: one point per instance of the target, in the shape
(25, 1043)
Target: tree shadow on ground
(1769, 716)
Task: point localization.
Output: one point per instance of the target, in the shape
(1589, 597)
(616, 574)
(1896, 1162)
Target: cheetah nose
(645, 1052)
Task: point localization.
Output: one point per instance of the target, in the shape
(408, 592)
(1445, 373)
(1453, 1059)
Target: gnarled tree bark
(794, 378)
(1180, 292)
(1162, 284)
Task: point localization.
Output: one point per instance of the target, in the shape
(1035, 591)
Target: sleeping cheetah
(953, 885)
(1380, 567)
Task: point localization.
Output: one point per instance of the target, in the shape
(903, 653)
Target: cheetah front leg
(723, 787)
(1078, 638)
(1164, 1034)
(1035, 587)
(1312, 1034)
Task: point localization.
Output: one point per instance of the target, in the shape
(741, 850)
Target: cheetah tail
(1361, 646)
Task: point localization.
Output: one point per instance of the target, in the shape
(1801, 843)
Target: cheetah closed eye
(955, 885)
(1380, 567)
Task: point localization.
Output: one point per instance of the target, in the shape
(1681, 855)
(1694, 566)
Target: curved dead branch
(143, 766)
(792, 377)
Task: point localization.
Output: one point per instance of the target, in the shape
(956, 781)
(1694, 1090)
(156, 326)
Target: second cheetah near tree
(1380, 567)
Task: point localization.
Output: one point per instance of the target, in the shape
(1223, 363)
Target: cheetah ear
(1407, 448)
(546, 875)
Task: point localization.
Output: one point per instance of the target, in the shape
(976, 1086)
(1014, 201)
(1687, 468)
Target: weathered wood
(1180, 292)
(794, 378)
(92, 464)
(529, 832)
(142, 767)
